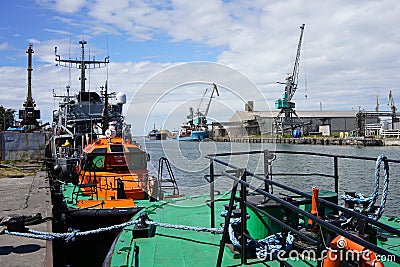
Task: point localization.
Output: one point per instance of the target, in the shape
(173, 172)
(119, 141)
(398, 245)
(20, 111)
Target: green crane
(287, 117)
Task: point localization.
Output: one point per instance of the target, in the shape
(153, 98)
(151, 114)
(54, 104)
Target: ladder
(166, 184)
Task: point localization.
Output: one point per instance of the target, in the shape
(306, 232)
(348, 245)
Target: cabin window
(117, 148)
(136, 161)
(102, 150)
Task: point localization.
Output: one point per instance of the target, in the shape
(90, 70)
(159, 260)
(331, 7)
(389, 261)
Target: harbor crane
(287, 118)
(202, 115)
(393, 109)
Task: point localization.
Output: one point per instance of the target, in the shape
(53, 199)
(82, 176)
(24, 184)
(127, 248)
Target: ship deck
(175, 247)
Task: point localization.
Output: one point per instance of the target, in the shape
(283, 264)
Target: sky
(164, 54)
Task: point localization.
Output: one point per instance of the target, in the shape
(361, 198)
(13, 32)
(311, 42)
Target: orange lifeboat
(117, 170)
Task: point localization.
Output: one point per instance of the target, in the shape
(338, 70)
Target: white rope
(71, 235)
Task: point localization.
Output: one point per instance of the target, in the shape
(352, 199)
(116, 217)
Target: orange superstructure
(113, 172)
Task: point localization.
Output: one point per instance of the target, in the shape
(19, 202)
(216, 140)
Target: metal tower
(29, 115)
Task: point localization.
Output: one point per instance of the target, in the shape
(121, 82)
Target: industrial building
(251, 123)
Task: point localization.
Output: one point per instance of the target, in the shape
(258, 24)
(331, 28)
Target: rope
(272, 244)
(71, 235)
(264, 247)
(385, 190)
(186, 227)
(361, 199)
(66, 236)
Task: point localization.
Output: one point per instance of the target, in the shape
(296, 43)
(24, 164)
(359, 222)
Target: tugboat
(252, 225)
(196, 129)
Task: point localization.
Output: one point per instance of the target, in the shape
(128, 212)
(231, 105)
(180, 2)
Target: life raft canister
(340, 244)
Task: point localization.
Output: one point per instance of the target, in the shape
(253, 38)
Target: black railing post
(243, 200)
(212, 206)
(266, 169)
(226, 225)
(336, 174)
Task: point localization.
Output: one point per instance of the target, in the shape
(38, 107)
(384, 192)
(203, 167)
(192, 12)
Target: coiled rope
(361, 199)
(264, 247)
(272, 244)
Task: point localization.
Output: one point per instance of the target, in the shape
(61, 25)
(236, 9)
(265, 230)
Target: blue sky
(350, 50)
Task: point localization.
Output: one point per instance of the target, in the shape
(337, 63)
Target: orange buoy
(352, 251)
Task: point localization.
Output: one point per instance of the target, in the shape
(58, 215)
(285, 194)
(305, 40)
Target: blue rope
(264, 247)
(385, 190)
(361, 199)
(272, 244)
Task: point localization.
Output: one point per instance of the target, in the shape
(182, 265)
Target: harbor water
(190, 166)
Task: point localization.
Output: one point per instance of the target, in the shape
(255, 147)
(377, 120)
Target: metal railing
(111, 183)
(240, 179)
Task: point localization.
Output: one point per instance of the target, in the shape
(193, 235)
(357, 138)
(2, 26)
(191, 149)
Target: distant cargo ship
(196, 129)
(156, 134)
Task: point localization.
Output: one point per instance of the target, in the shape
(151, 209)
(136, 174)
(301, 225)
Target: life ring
(334, 258)
(152, 187)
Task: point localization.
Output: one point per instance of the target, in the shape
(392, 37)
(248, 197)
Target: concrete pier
(26, 196)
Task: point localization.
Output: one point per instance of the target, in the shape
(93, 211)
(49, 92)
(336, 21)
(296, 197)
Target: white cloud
(58, 31)
(4, 46)
(69, 6)
(350, 48)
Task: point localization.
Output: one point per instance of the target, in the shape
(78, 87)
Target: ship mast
(82, 63)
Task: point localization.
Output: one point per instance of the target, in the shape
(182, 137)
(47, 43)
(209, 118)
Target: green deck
(172, 247)
(69, 198)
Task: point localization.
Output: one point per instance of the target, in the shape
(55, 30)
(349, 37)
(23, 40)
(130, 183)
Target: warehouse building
(250, 122)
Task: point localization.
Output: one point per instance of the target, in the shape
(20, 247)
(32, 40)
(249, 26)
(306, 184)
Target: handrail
(314, 218)
(209, 156)
(326, 225)
(328, 203)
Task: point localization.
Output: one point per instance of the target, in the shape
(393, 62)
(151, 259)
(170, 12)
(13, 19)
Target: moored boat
(80, 117)
(196, 128)
(97, 173)
(251, 225)
(111, 176)
(155, 134)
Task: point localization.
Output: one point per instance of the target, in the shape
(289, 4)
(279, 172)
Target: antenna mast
(82, 64)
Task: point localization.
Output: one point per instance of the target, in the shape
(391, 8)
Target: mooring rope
(187, 227)
(361, 199)
(385, 190)
(272, 244)
(264, 247)
(67, 236)
(71, 235)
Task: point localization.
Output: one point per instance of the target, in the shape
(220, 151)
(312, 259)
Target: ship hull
(194, 136)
